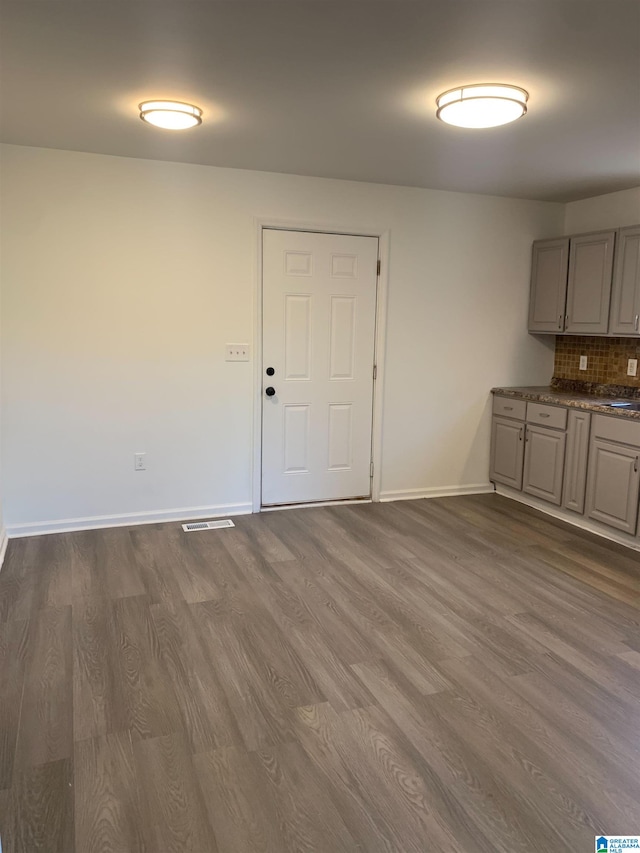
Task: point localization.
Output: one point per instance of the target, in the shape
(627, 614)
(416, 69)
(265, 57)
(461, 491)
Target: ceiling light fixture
(482, 105)
(171, 115)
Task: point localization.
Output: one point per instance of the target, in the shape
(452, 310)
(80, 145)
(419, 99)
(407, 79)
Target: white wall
(603, 211)
(124, 278)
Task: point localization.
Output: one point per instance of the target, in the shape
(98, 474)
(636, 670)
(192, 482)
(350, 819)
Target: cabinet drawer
(549, 416)
(510, 408)
(612, 428)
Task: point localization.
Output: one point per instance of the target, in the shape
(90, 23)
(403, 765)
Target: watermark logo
(617, 843)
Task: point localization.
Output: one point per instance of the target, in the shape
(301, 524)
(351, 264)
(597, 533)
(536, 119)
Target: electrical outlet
(583, 362)
(237, 352)
(139, 463)
(632, 367)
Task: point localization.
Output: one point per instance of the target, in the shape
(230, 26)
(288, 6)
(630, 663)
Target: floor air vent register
(208, 525)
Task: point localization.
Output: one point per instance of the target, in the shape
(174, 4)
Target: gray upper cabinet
(507, 452)
(549, 267)
(625, 297)
(544, 463)
(589, 283)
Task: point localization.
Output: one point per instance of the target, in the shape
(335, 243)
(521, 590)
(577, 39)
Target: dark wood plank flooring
(457, 675)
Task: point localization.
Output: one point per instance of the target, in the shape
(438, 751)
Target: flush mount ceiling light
(171, 115)
(482, 105)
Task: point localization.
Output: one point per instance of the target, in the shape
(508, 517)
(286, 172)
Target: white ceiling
(336, 89)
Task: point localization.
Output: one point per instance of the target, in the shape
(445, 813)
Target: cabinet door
(507, 452)
(589, 285)
(577, 454)
(612, 488)
(625, 296)
(549, 266)
(544, 463)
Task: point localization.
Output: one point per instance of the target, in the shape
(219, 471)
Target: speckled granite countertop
(573, 399)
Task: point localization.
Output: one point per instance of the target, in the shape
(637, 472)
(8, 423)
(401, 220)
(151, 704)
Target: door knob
(270, 371)
(270, 391)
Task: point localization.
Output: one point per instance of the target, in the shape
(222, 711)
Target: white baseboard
(571, 518)
(95, 522)
(3, 544)
(436, 492)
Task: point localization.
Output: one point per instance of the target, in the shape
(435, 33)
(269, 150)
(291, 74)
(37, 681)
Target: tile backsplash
(607, 359)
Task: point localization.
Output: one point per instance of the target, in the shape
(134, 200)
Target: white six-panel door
(318, 319)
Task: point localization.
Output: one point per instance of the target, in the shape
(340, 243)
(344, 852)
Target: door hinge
(375, 371)
(378, 267)
(371, 470)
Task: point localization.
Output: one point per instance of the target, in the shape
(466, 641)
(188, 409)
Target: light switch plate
(237, 352)
(583, 362)
(632, 367)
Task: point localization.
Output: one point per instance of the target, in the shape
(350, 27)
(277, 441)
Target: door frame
(384, 237)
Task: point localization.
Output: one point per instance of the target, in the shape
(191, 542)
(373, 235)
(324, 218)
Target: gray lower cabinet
(613, 485)
(625, 296)
(576, 456)
(589, 283)
(507, 452)
(586, 462)
(544, 463)
(549, 267)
